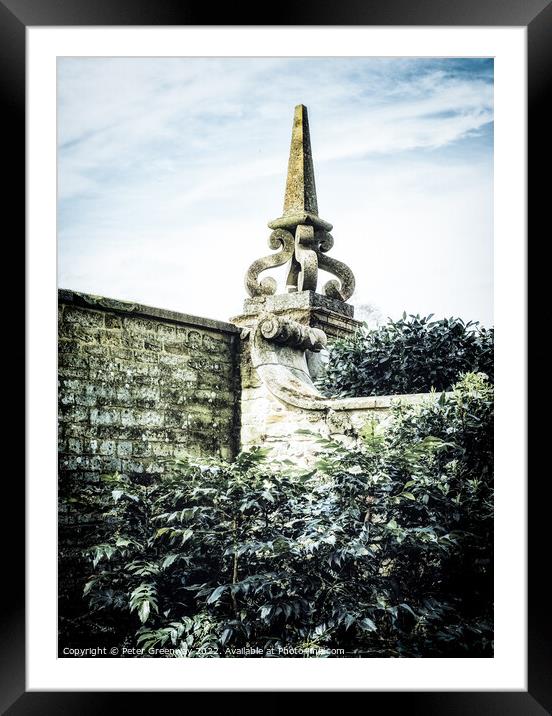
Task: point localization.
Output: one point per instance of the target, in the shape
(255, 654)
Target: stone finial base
(330, 315)
(261, 411)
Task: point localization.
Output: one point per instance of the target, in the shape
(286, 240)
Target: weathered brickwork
(139, 385)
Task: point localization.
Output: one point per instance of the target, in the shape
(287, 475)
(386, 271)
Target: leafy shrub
(411, 355)
(384, 550)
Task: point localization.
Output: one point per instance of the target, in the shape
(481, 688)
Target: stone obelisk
(303, 240)
(300, 196)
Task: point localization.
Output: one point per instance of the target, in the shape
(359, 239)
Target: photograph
(275, 357)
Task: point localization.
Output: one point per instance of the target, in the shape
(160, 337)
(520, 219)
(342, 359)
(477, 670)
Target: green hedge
(411, 355)
(382, 551)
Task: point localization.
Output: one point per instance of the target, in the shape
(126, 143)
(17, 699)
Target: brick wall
(138, 384)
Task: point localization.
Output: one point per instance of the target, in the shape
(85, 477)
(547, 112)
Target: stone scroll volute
(279, 239)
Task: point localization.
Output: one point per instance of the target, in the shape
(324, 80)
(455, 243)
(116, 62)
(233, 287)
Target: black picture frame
(536, 16)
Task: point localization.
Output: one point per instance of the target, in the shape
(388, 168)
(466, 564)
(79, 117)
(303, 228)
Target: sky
(170, 168)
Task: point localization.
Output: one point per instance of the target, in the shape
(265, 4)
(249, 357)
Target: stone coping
(380, 402)
(101, 303)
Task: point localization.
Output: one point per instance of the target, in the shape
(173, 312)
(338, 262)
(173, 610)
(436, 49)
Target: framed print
(224, 482)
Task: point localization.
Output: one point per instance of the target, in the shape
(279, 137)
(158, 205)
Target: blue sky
(169, 170)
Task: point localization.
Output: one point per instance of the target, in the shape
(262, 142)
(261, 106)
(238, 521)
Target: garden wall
(140, 384)
(291, 432)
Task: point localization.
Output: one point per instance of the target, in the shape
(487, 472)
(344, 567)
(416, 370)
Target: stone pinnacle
(303, 237)
(300, 187)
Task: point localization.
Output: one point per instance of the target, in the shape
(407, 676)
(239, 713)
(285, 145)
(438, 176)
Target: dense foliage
(411, 355)
(383, 550)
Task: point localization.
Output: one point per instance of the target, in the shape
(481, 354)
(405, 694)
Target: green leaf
(226, 634)
(408, 609)
(349, 620)
(367, 624)
(186, 534)
(88, 586)
(144, 611)
(169, 559)
(216, 594)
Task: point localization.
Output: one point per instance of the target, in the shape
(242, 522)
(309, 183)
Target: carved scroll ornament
(306, 253)
(287, 332)
(282, 239)
(345, 287)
